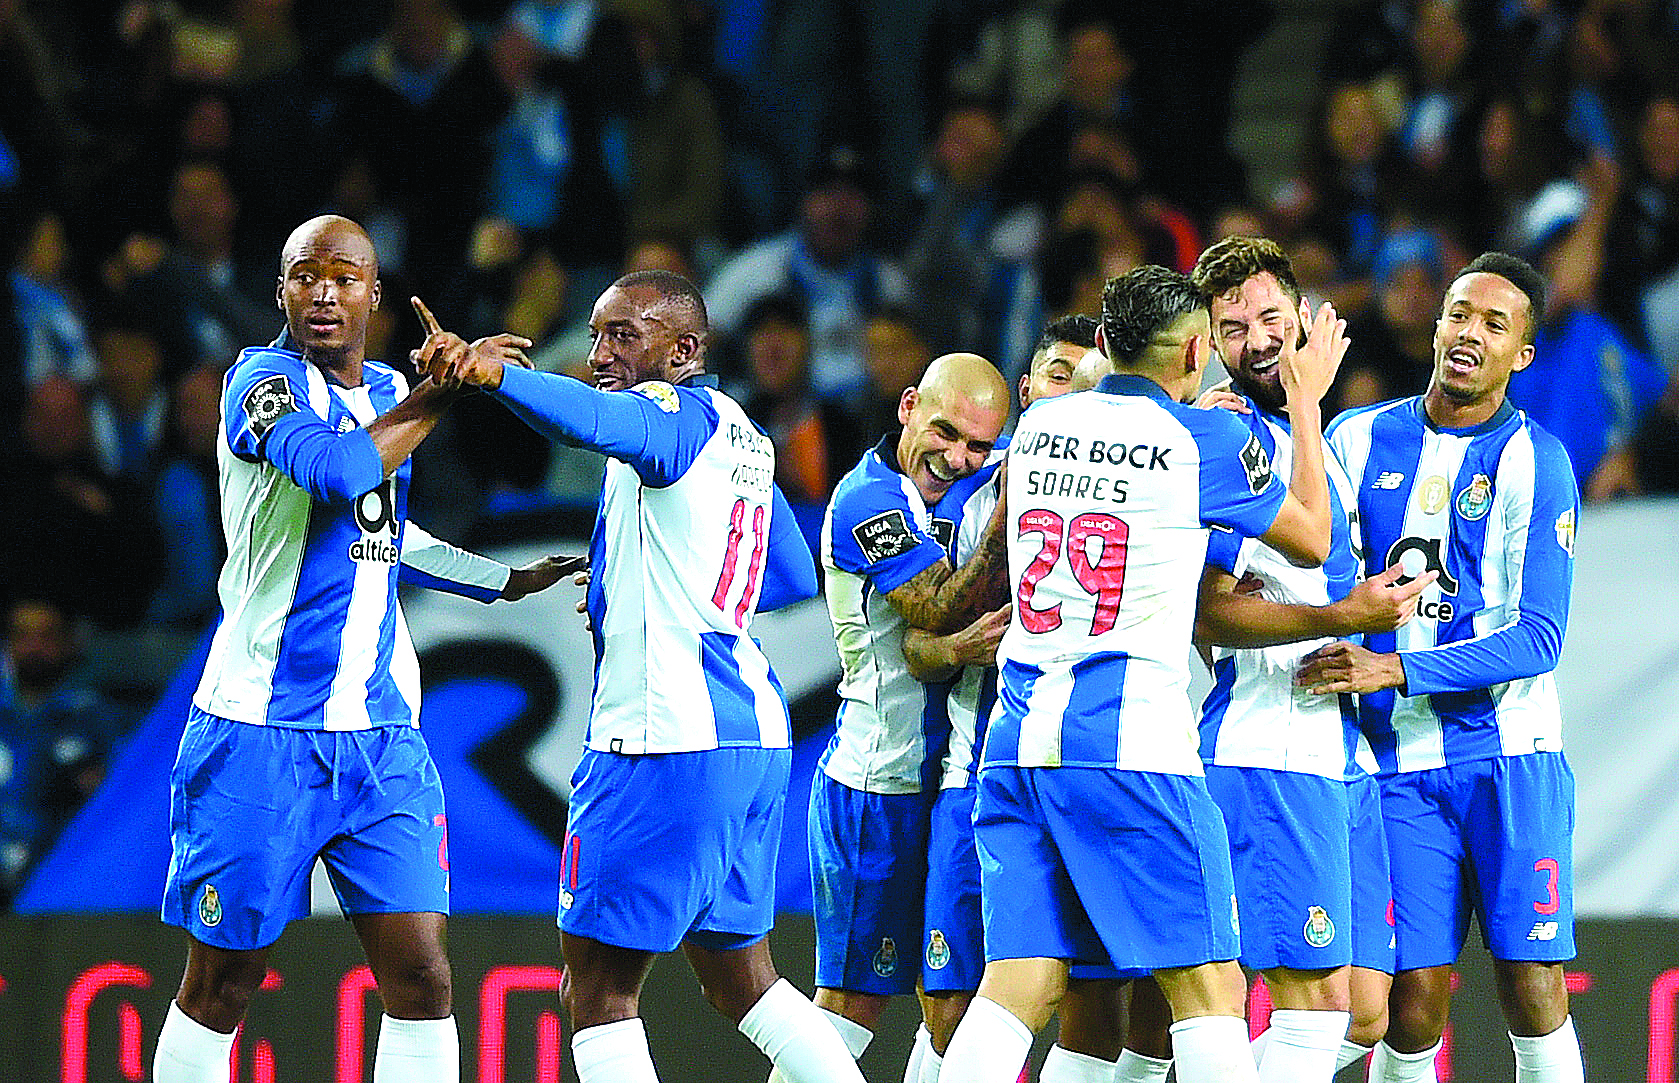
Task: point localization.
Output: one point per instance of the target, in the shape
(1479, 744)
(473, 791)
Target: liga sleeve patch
(885, 536)
(267, 402)
(1256, 464)
(663, 395)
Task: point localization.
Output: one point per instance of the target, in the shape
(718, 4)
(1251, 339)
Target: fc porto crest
(886, 959)
(1475, 499)
(1319, 930)
(938, 951)
(210, 906)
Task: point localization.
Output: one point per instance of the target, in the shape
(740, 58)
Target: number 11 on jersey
(731, 559)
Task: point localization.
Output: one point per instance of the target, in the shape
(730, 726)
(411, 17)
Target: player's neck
(342, 369)
(1448, 413)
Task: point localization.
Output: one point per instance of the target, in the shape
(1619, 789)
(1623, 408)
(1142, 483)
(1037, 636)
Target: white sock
(990, 1045)
(854, 1034)
(417, 1051)
(1062, 1065)
(793, 1034)
(1351, 1053)
(190, 1052)
(1549, 1058)
(1133, 1067)
(1260, 1044)
(931, 1065)
(1388, 1065)
(613, 1053)
(1303, 1045)
(923, 1043)
(1213, 1049)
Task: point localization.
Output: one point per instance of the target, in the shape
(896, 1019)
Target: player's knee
(419, 989)
(1369, 1022)
(1415, 1023)
(220, 1001)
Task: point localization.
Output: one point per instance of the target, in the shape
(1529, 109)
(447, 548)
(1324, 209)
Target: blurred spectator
(896, 352)
(128, 408)
(1393, 343)
(203, 304)
(823, 262)
(49, 318)
(187, 505)
(74, 534)
(421, 101)
(1640, 285)
(55, 737)
(35, 132)
(1015, 58)
(1441, 87)
(815, 441)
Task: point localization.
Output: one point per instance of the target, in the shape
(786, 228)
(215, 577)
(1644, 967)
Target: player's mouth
(1264, 364)
(323, 324)
(1462, 361)
(608, 380)
(940, 470)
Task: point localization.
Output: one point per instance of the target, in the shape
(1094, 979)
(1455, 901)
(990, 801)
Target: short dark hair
(672, 287)
(1076, 329)
(1520, 274)
(1141, 303)
(1234, 260)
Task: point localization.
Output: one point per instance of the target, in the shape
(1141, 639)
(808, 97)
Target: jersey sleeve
(1239, 489)
(1228, 551)
(435, 564)
(789, 570)
(266, 417)
(657, 428)
(876, 534)
(1541, 550)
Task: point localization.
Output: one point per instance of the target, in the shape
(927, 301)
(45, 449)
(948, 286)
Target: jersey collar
(1504, 413)
(700, 379)
(1125, 383)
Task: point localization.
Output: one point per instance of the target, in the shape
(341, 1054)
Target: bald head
(330, 232)
(328, 289)
(951, 420)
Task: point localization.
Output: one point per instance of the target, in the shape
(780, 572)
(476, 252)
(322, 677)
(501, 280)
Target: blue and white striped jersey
(1110, 495)
(972, 693)
(1492, 509)
(311, 634)
(692, 538)
(1255, 716)
(877, 535)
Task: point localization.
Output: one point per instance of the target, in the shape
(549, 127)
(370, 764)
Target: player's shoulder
(1552, 467)
(257, 362)
(869, 488)
(1365, 417)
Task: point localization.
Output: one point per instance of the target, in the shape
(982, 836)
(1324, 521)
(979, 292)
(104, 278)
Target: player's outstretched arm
(1226, 617)
(540, 574)
(937, 658)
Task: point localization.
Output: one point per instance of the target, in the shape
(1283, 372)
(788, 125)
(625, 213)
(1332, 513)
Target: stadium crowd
(858, 188)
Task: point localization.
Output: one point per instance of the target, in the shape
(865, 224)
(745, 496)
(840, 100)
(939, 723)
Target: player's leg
(1148, 1036)
(1309, 1017)
(390, 870)
(602, 997)
(1521, 844)
(1371, 977)
(742, 984)
(1209, 1031)
(953, 952)
(1369, 989)
(204, 1017)
(418, 1041)
(1092, 1031)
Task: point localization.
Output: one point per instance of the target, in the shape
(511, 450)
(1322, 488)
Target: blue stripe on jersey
(982, 718)
(1090, 726)
(935, 732)
(1213, 708)
(1469, 720)
(413, 577)
(738, 726)
(1376, 718)
(1014, 689)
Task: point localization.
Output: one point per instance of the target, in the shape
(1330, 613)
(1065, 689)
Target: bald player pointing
(302, 739)
(887, 545)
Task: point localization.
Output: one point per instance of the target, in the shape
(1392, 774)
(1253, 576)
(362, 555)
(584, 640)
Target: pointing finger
(427, 320)
(1417, 585)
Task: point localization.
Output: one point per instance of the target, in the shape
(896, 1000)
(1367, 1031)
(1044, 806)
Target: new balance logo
(1543, 930)
(1388, 479)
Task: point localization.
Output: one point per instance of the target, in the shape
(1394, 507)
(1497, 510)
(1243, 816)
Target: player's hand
(442, 354)
(506, 348)
(976, 645)
(539, 575)
(1307, 371)
(1347, 667)
(1220, 397)
(1248, 584)
(1381, 603)
(582, 579)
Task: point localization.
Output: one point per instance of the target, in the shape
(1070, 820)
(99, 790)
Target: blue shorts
(868, 871)
(251, 807)
(1495, 837)
(1289, 852)
(953, 955)
(1373, 939)
(680, 846)
(1092, 865)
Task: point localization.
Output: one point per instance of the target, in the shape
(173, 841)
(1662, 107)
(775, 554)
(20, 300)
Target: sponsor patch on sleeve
(1256, 464)
(662, 394)
(267, 402)
(885, 536)
(1565, 531)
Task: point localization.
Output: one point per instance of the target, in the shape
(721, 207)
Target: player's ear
(1523, 359)
(906, 404)
(378, 292)
(280, 292)
(1102, 341)
(1194, 354)
(1025, 382)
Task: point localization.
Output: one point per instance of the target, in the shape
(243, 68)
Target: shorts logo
(1235, 920)
(210, 907)
(346, 423)
(1431, 495)
(1475, 499)
(1565, 531)
(1388, 479)
(1319, 930)
(1543, 930)
(1256, 464)
(268, 402)
(885, 536)
(938, 951)
(662, 394)
(886, 959)
(566, 899)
